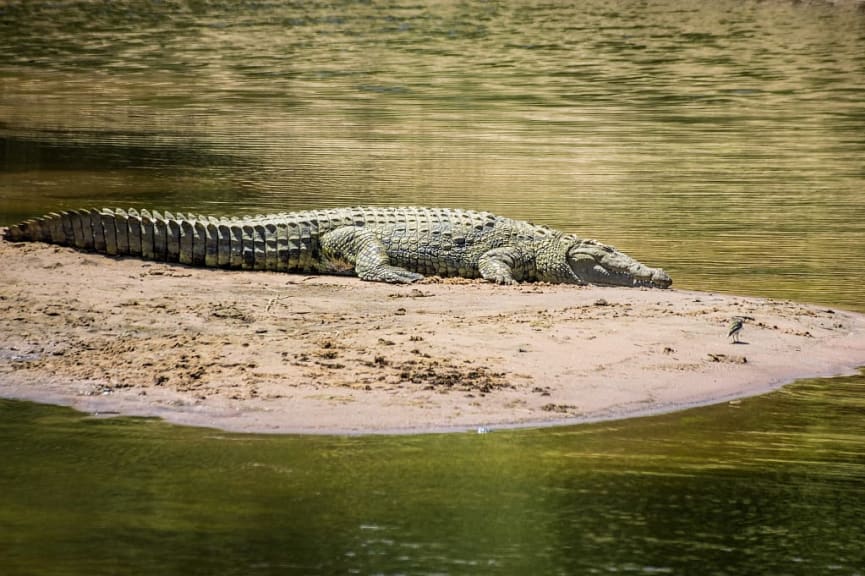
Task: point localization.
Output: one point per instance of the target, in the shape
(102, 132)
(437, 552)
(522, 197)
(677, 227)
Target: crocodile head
(591, 262)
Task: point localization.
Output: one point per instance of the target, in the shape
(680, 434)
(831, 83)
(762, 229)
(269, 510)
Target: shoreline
(224, 420)
(263, 352)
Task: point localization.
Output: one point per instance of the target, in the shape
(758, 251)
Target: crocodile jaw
(595, 263)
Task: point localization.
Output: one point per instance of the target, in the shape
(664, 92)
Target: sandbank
(276, 353)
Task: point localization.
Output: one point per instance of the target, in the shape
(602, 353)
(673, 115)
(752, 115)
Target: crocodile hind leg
(352, 248)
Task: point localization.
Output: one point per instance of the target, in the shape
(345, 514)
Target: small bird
(736, 328)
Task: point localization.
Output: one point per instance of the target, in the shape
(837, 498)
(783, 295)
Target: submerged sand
(269, 352)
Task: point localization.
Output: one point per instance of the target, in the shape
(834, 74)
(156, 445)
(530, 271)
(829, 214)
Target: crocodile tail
(35, 230)
(151, 235)
(113, 232)
(280, 244)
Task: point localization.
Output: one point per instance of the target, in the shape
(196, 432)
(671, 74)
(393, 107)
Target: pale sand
(269, 352)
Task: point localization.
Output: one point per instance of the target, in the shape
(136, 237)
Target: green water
(769, 486)
(721, 140)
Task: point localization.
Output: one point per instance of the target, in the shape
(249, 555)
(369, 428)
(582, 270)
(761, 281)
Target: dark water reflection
(772, 485)
(722, 141)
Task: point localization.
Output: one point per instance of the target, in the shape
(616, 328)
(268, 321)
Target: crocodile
(396, 245)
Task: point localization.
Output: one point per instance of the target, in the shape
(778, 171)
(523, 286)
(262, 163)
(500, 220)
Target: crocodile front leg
(499, 264)
(351, 247)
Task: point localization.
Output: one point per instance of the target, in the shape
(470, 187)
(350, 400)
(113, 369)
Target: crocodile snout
(661, 279)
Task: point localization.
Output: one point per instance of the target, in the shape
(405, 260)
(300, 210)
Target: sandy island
(269, 352)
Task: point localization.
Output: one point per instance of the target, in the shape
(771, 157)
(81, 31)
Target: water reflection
(770, 485)
(722, 142)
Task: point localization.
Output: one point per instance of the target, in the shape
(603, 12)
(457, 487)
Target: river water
(723, 141)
